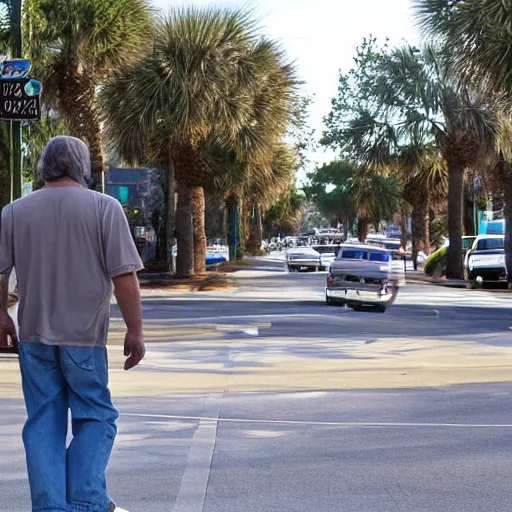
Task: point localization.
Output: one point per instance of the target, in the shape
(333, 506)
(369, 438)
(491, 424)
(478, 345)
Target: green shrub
(436, 262)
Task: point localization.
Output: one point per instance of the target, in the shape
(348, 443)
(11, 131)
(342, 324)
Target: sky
(321, 37)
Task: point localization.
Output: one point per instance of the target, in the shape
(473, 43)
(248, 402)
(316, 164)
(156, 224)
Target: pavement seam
(194, 483)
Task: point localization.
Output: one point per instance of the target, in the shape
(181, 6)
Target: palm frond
(478, 33)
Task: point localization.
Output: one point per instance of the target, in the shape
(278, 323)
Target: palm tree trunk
(254, 239)
(455, 199)
(507, 189)
(184, 233)
(232, 225)
(403, 230)
(418, 219)
(363, 224)
(259, 225)
(426, 228)
(169, 216)
(198, 213)
(468, 212)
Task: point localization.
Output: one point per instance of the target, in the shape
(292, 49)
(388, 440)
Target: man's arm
(7, 328)
(128, 297)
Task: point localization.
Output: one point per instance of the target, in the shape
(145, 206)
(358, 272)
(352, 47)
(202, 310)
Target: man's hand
(8, 336)
(134, 349)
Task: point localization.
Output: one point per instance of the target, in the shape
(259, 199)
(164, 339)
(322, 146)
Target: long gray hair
(65, 157)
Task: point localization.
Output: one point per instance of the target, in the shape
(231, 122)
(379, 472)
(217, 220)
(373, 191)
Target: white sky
(321, 37)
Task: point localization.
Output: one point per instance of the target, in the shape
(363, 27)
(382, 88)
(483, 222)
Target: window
(380, 256)
(490, 243)
(467, 243)
(354, 254)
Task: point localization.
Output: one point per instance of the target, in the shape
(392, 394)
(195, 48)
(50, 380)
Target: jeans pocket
(38, 353)
(79, 357)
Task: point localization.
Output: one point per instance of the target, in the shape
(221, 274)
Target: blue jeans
(55, 380)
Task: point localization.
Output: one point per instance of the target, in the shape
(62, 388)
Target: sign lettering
(15, 103)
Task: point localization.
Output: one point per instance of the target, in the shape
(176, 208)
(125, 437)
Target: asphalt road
(264, 399)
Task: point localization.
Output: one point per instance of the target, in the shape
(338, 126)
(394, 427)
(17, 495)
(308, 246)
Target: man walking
(68, 245)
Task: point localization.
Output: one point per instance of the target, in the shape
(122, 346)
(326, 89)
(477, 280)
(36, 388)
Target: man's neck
(64, 182)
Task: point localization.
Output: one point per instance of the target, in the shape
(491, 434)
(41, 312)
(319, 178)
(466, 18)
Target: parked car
(467, 243)
(328, 254)
(363, 275)
(303, 258)
(485, 261)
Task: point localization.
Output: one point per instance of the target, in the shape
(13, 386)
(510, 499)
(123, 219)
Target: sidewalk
(419, 277)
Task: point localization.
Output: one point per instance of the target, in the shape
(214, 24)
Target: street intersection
(264, 399)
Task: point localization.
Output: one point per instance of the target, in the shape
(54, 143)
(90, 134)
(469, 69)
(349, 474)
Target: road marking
(200, 320)
(364, 424)
(194, 483)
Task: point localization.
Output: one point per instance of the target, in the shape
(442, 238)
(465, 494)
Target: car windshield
(490, 243)
(324, 249)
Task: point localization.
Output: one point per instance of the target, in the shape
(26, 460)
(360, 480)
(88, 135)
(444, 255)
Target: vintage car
(361, 276)
(328, 253)
(485, 261)
(303, 258)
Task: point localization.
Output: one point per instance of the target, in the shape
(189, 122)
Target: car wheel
(356, 307)
(291, 269)
(380, 308)
(475, 284)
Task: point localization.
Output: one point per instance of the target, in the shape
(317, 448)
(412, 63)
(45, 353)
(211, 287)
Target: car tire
(473, 284)
(291, 269)
(334, 302)
(356, 307)
(380, 308)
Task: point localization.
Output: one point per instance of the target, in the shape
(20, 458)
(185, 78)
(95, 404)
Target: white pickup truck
(485, 261)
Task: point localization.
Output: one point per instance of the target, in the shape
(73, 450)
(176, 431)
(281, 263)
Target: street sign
(15, 103)
(20, 95)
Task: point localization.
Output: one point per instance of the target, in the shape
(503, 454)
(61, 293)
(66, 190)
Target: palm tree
(201, 83)
(418, 102)
(250, 186)
(258, 165)
(75, 45)
(424, 177)
(286, 214)
(375, 198)
(479, 35)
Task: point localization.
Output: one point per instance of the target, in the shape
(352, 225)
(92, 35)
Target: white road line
(194, 483)
(201, 320)
(364, 424)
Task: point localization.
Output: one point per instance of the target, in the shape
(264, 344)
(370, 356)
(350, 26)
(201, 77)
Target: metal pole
(475, 209)
(16, 126)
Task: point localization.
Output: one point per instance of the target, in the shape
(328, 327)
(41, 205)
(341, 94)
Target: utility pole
(15, 127)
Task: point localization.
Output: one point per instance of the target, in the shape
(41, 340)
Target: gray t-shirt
(66, 244)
